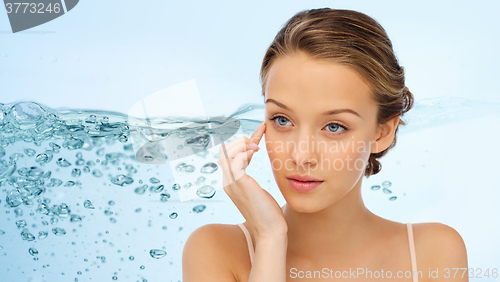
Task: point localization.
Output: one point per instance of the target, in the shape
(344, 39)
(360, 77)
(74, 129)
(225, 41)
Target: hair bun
(408, 100)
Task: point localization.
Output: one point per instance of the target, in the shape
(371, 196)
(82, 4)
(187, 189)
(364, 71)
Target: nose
(304, 149)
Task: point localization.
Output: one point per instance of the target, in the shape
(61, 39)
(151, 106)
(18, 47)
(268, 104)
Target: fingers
(233, 170)
(237, 146)
(235, 156)
(258, 133)
(240, 163)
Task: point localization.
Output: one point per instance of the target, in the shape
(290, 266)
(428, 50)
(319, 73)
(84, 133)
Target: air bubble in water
(164, 197)
(47, 175)
(189, 168)
(7, 170)
(30, 152)
(21, 223)
(44, 157)
(27, 236)
(33, 251)
(100, 152)
(199, 208)
(76, 172)
(386, 184)
(183, 167)
(157, 254)
(375, 187)
(393, 198)
(33, 173)
(141, 189)
(387, 191)
(88, 204)
(54, 220)
(176, 187)
(54, 182)
(18, 212)
(200, 180)
(121, 180)
(42, 234)
(75, 218)
(157, 189)
(154, 180)
(209, 168)
(173, 215)
(200, 141)
(14, 198)
(58, 231)
(206, 191)
(63, 210)
(55, 147)
(97, 173)
(73, 143)
(62, 162)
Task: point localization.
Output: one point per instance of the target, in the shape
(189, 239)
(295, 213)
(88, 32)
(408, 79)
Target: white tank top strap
(249, 241)
(413, 258)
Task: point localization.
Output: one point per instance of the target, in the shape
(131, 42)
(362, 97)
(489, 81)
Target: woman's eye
(281, 120)
(332, 127)
(335, 127)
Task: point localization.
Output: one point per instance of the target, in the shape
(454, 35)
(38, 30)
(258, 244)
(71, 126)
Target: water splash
(46, 154)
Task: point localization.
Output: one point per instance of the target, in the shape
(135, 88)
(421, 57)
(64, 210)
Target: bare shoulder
(208, 252)
(439, 246)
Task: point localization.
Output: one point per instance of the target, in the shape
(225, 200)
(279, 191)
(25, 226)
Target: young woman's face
(302, 139)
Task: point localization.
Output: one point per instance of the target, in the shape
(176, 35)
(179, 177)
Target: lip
(302, 186)
(303, 177)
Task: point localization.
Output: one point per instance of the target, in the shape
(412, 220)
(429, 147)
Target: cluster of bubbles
(28, 187)
(385, 188)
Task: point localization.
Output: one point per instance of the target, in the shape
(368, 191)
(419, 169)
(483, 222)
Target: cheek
(275, 151)
(349, 156)
(277, 159)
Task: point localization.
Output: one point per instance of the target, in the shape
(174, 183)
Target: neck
(341, 230)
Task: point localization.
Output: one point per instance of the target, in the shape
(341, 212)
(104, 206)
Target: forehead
(300, 81)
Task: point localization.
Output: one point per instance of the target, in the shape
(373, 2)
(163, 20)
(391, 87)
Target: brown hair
(354, 39)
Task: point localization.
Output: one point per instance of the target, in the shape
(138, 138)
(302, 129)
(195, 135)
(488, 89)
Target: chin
(304, 204)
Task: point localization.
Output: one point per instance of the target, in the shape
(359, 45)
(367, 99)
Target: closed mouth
(303, 181)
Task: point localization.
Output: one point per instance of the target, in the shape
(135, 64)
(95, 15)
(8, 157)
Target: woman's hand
(259, 208)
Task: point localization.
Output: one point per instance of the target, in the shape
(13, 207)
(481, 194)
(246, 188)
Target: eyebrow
(327, 113)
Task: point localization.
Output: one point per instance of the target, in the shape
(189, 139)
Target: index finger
(258, 133)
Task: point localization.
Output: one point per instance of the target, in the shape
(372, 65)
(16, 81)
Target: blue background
(108, 55)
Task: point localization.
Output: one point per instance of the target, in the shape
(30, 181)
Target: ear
(385, 135)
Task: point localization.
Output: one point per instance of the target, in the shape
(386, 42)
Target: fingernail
(254, 145)
(261, 124)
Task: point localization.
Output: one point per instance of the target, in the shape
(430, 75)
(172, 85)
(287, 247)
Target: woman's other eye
(280, 119)
(332, 127)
